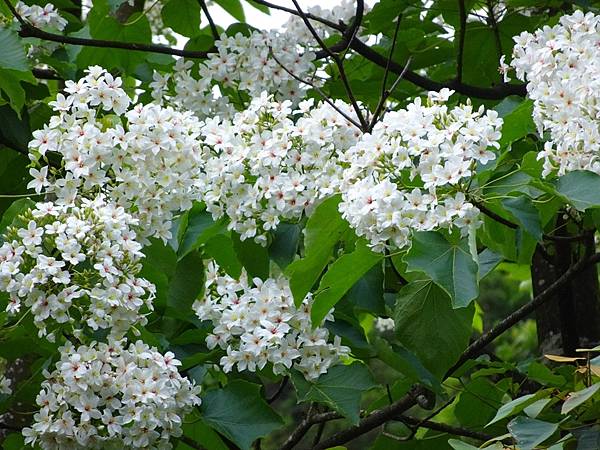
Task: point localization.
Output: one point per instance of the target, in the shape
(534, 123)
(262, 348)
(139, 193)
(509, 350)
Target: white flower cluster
(146, 161)
(262, 167)
(257, 323)
(46, 18)
(75, 265)
(107, 396)
(241, 66)
(410, 172)
(343, 11)
(562, 67)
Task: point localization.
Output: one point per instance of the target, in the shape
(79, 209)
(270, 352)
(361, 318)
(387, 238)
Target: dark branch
(383, 415)
(211, 22)
(462, 32)
(310, 420)
(436, 426)
(45, 74)
(329, 23)
(28, 30)
(373, 420)
(191, 443)
(339, 62)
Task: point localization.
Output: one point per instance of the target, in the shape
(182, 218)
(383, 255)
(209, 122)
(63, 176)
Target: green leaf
(239, 413)
(340, 277)
(428, 325)
(323, 230)
(284, 247)
(254, 257)
(11, 86)
(220, 248)
(203, 435)
(450, 265)
(103, 26)
(406, 363)
(459, 445)
(581, 188)
(200, 228)
(16, 208)
(526, 214)
(185, 286)
(514, 407)
(367, 294)
(488, 260)
(12, 51)
(529, 433)
(518, 123)
(182, 16)
(340, 388)
(577, 398)
(233, 7)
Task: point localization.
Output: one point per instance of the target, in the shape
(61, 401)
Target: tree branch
(462, 31)
(28, 30)
(211, 22)
(383, 415)
(373, 420)
(310, 420)
(436, 426)
(329, 23)
(350, 33)
(45, 74)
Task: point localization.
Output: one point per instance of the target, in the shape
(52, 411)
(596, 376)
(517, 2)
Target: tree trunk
(571, 319)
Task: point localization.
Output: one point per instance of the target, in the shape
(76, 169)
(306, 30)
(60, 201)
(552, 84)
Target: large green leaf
(10, 84)
(450, 265)
(577, 398)
(104, 26)
(182, 16)
(186, 284)
(16, 208)
(340, 277)
(239, 413)
(323, 230)
(254, 257)
(284, 247)
(199, 229)
(12, 51)
(526, 214)
(515, 406)
(428, 325)
(220, 248)
(233, 7)
(581, 188)
(341, 388)
(529, 433)
(518, 123)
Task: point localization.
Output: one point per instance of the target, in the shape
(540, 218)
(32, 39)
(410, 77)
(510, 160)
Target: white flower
(79, 260)
(406, 174)
(147, 160)
(262, 167)
(256, 322)
(561, 67)
(108, 396)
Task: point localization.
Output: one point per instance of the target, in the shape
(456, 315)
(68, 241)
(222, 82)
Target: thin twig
(416, 423)
(311, 419)
(462, 31)
(325, 98)
(211, 22)
(386, 95)
(478, 345)
(364, 126)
